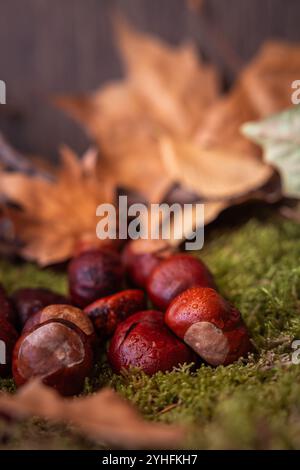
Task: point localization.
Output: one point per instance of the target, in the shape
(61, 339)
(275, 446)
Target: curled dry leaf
(104, 417)
(263, 88)
(57, 214)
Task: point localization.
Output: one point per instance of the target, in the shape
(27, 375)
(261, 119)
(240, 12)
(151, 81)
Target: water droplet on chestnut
(215, 330)
(58, 352)
(27, 301)
(94, 274)
(174, 275)
(144, 341)
(108, 312)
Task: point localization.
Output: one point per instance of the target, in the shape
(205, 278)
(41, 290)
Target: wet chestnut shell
(108, 312)
(63, 312)
(8, 339)
(144, 341)
(27, 301)
(209, 323)
(94, 274)
(6, 308)
(58, 352)
(174, 275)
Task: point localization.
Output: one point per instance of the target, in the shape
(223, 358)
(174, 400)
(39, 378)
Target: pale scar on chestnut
(208, 342)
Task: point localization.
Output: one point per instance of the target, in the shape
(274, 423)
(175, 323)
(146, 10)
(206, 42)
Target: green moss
(250, 404)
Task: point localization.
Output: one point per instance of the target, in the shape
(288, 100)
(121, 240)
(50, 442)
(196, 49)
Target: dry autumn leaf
(156, 104)
(115, 118)
(104, 417)
(9, 244)
(159, 129)
(263, 88)
(268, 78)
(204, 172)
(59, 213)
(177, 101)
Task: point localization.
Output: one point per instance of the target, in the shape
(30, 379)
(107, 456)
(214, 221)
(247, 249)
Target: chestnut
(94, 274)
(140, 258)
(58, 352)
(144, 341)
(6, 308)
(8, 338)
(108, 312)
(173, 276)
(27, 301)
(210, 325)
(64, 312)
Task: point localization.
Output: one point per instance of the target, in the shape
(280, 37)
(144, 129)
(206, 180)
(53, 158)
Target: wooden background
(55, 46)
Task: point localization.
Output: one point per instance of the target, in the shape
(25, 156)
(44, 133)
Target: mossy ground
(253, 404)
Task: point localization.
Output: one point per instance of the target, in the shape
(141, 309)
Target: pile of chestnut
(56, 338)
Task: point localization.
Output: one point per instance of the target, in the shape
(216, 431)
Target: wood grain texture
(55, 46)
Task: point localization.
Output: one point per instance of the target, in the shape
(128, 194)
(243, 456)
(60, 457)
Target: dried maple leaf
(220, 163)
(104, 417)
(57, 213)
(9, 244)
(126, 118)
(115, 118)
(218, 184)
(174, 82)
(263, 88)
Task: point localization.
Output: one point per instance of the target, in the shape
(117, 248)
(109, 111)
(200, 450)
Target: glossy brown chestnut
(144, 341)
(8, 338)
(63, 312)
(210, 325)
(94, 274)
(140, 258)
(30, 300)
(58, 352)
(108, 312)
(6, 308)
(174, 275)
